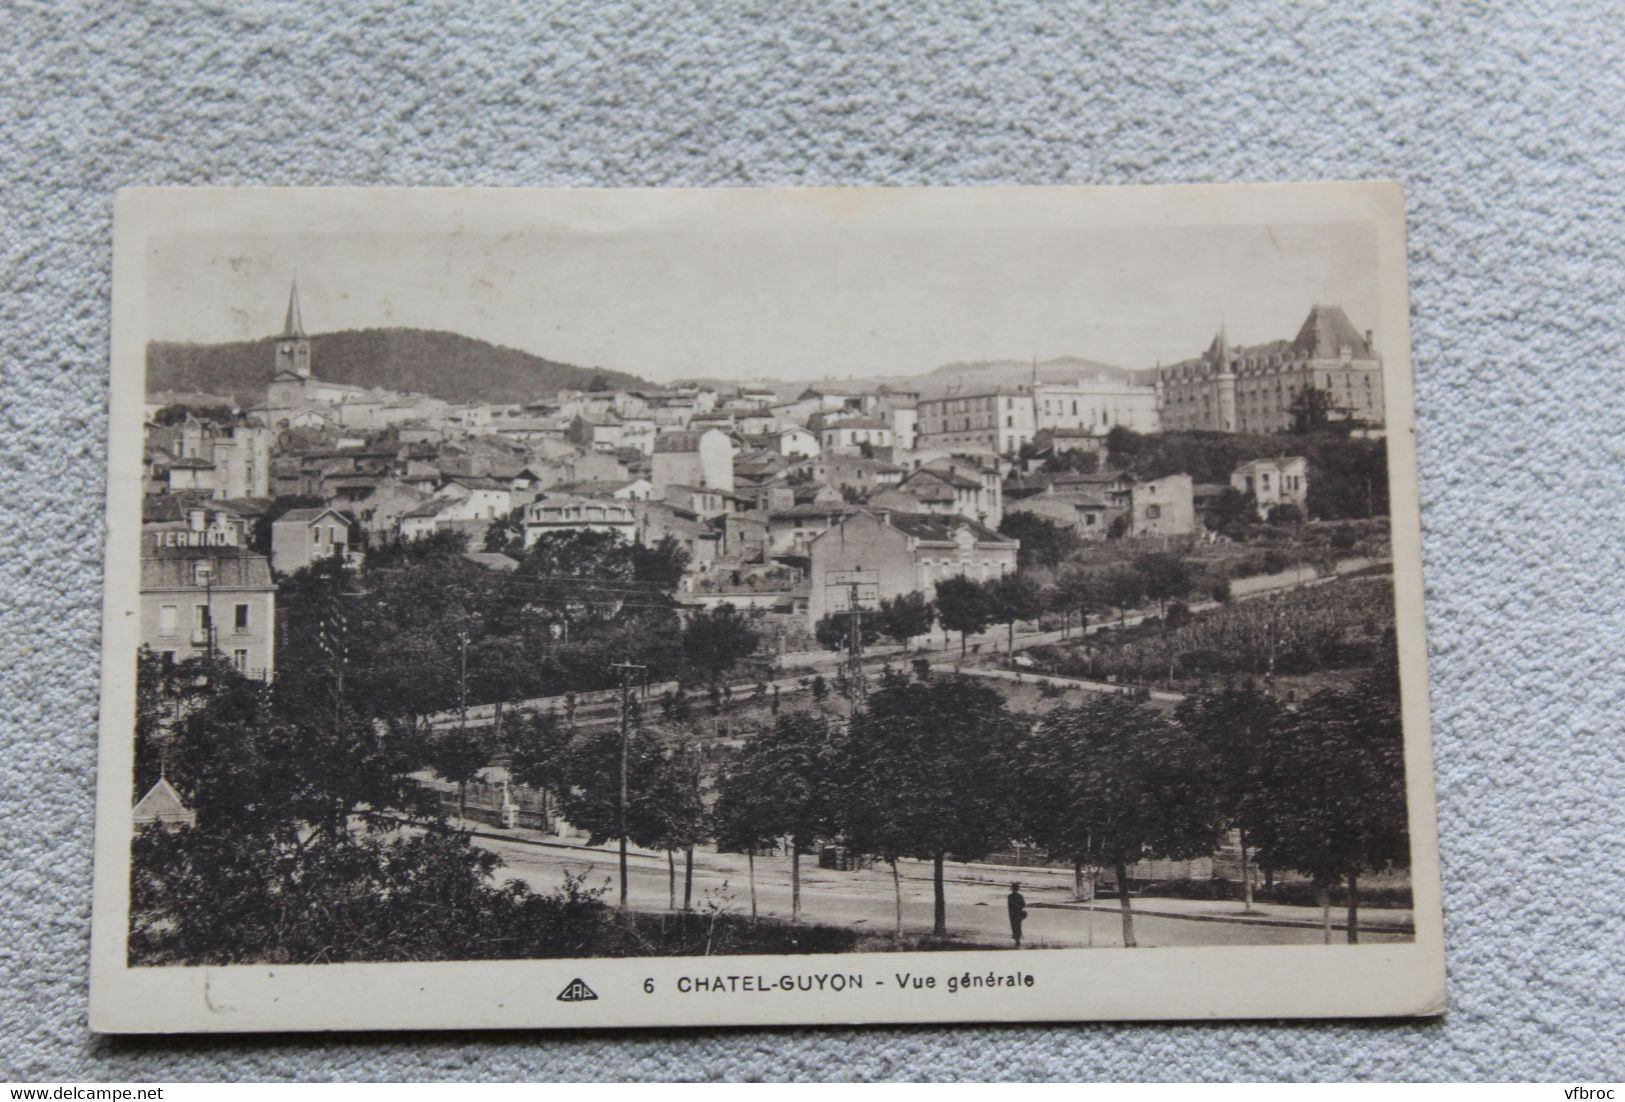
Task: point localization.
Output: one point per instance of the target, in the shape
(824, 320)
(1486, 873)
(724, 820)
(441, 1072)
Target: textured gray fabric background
(1506, 127)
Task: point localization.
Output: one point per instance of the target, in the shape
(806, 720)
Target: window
(316, 534)
(239, 618)
(239, 660)
(1153, 512)
(167, 658)
(166, 620)
(201, 618)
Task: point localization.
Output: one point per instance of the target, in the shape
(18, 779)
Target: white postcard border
(1380, 979)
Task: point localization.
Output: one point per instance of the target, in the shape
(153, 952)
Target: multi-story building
(229, 460)
(300, 537)
(996, 421)
(905, 424)
(561, 513)
(852, 434)
(1162, 507)
(959, 487)
(198, 596)
(1272, 482)
(873, 558)
(693, 459)
(1258, 388)
(476, 498)
(1096, 406)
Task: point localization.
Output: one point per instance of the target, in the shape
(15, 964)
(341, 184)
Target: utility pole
(621, 806)
(855, 640)
(462, 678)
(335, 642)
(208, 608)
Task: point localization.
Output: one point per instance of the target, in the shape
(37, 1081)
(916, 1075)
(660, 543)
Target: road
(975, 894)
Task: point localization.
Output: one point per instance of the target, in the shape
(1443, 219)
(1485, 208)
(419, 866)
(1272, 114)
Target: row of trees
(940, 768)
(931, 768)
(423, 629)
(968, 607)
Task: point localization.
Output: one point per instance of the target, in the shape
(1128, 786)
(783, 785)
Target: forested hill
(440, 364)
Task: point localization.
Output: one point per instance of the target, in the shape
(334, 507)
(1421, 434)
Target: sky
(789, 301)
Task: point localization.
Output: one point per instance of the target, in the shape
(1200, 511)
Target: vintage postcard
(549, 608)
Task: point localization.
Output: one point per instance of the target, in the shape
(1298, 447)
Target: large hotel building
(1252, 388)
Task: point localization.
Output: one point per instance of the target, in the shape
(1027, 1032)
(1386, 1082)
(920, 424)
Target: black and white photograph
(620, 608)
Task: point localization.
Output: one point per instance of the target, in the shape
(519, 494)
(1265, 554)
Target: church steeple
(294, 325)
(292, 347)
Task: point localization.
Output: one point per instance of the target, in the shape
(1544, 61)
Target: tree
(1163, 577)
(181, 413)
(745, 818)
(834, 630)
(1012, 597)
(1110, 781)
(674, 803)
(962, 606)
(1310, 410)
(1239, 729)
(795, 761)
(536, 753)
(458, 755)
(661, 565)
(1075, 590)
(1124, 590)
(1347, 478)
(905, 616)
(926, 772)
(1124, 447)
(1232, 512)
(715, 641)
(1336, 808)
(590, 792)
(271, 871)
(1043, 542)
(506, 535)
(1075, 461)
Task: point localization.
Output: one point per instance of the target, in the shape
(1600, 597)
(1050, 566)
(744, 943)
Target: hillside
(440, 364)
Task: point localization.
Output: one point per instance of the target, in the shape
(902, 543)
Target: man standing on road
(1018, 911)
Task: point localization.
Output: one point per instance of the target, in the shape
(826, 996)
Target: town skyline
(789, 307)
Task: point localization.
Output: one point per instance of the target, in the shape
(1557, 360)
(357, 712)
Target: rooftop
(230, 568)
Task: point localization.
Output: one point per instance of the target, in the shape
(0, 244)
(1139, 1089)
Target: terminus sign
(186, 537)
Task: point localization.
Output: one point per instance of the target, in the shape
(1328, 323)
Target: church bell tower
(292, 347)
